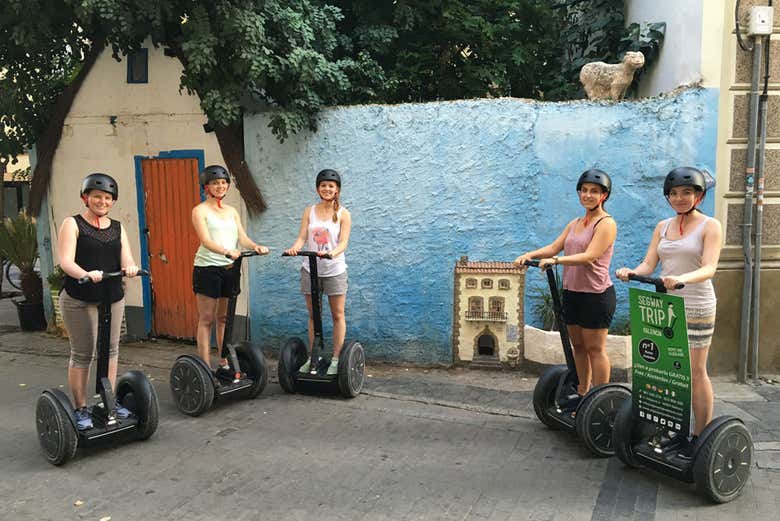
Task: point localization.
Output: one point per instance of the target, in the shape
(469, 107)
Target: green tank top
(222, 231)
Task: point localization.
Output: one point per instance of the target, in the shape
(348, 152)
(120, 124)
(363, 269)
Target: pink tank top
(593, 278)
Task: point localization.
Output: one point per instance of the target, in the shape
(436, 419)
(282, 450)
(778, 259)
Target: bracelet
(555, 259)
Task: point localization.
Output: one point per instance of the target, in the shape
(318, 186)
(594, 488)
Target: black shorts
(589, 310)
(216, 281)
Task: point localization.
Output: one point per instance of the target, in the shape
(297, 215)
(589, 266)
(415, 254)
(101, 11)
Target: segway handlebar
(245, 253)
(308, 253)
(533, 263)
(656, 281)
(113, 275)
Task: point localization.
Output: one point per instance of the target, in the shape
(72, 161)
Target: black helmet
(213, 172)
(597, 177)
(98, 181)
(328, 175)
(685, 176)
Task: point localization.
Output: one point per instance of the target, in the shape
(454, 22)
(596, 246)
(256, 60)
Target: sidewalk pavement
(505, 393)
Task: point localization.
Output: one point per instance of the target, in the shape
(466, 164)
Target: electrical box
(761, 20)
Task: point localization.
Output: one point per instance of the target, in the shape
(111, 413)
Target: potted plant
(56, 280)
(19, 245)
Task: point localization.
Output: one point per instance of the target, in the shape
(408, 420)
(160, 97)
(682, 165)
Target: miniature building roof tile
(486, 267)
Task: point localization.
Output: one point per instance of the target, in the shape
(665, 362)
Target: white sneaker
(305, 367)
(333, 368)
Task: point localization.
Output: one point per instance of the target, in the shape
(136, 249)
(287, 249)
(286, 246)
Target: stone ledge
(543, 348)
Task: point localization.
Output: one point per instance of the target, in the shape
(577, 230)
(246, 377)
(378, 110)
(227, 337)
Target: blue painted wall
(427, 183)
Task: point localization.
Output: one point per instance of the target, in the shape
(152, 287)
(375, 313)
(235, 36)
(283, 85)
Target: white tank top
(222, 231)
(323, 235)
(683, 256)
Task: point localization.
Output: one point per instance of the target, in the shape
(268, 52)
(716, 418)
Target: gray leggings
(81, 321)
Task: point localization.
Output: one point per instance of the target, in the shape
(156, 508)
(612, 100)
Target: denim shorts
(335, 285)
(589, 310)
(216, 281)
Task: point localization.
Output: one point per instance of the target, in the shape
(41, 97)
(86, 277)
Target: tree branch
(48, 142)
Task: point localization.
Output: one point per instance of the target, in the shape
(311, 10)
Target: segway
(55, 419)
(651, 428)
(557, 403)
(349, 379)
(195, 387)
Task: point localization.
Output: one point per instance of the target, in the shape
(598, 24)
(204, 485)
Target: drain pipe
(763, 101)
(747, 219)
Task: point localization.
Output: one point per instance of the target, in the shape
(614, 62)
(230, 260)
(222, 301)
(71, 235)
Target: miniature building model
(487, 322)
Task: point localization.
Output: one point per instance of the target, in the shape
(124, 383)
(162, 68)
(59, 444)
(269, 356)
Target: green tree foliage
(284, 54)
(450, 49)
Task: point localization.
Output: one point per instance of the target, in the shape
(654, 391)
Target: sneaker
(83, 419)
(305, 367)
(686, 452)
(333, 368)
(226, 373)
(122, 412)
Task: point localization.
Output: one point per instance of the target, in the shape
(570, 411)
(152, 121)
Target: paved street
(418, 444)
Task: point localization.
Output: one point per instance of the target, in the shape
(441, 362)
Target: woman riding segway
(324, 232)
(719, 454)
(95, 254)
(588, 304)
(216, 283)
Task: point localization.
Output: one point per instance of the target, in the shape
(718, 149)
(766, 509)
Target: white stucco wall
(680, 57)
(150, 118)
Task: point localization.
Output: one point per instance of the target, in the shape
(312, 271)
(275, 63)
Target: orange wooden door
(171, 191)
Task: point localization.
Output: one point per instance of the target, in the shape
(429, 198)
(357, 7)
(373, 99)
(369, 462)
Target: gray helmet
(213, 172)
(685, 176)
(98, 181)
(597, 177)
(328, 175)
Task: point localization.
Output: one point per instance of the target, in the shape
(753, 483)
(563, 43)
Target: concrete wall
(680, 57)
(150, 118)
(733, 112)
(428, 183)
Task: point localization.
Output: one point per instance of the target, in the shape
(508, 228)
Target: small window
(487, 283)
(471, 283)
(475, 304)
(138, 66)
(503, 284)
(496, 304)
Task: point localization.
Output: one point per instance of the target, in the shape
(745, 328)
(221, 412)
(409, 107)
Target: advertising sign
(661, 366)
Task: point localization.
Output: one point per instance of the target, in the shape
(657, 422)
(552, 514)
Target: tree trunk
(231, 144)
(47, 143)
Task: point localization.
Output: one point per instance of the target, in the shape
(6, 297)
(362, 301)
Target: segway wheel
(544, 394)
(722, 466)
(596, 418)
(56, 433)
(191, 387)
(352, 365)
(627, 432)
(291, 358)
(252, 362)
(136, 393)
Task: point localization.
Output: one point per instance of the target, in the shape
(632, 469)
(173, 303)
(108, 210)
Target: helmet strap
(682, 215)
(219, 199)
(588, 214)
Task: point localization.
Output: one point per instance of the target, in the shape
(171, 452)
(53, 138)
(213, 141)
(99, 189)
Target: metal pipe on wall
(747, 216)
(760, 174)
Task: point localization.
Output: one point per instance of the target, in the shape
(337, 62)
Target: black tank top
(97, 249)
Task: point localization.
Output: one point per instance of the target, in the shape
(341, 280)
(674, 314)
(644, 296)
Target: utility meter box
(761, 20)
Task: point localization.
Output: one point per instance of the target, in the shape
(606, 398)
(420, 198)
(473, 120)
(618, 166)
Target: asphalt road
(301, 457)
